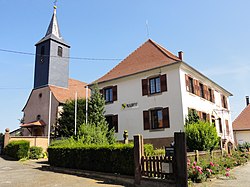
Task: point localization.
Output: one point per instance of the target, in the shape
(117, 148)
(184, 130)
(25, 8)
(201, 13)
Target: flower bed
(219, 166)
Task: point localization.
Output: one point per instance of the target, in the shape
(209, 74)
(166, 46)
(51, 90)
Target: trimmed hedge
(17, 149)
(117, 158)
(35, 152)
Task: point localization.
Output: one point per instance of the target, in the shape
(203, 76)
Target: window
(210, 95)
(223, 101)
(213, 120)
(42, 54)
(201, 86)
(156, 118)
(190, 84)
(220, 125)
(38, 117)
(204, 116)
(154, 85)
(109, 93)
(112, 121)
(60, 51)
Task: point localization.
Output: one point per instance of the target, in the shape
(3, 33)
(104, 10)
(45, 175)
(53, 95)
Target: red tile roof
(64, 94)
(34, 123)
(148, 56)
(242, 122)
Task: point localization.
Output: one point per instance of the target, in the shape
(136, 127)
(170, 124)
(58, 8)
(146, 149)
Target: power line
(73, 58)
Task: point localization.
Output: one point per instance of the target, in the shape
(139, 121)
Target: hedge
(118, 158)
(17, 149)
(35, 152)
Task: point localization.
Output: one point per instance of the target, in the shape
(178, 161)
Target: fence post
(138, 153)
(180, 157)
(196, 155)
(6, 137)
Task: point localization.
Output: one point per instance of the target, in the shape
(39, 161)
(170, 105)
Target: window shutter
(227, 127)
(208, 118)
(187, 82)
(205, 92)
(114, 90)
(213, 100)
(199, 114)
(164, 83)
(225, 102)
(221, 98)
(196, 87)
(165, 114)
(144, 87)
(146, 120)
(115, 122)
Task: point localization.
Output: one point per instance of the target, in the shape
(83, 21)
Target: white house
(151, 91)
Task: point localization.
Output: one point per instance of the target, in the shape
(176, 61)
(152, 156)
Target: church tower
(52, 62)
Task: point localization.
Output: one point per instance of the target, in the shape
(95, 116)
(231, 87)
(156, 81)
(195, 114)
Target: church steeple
(53, 26)
(52, 62)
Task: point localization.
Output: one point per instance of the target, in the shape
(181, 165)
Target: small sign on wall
(129, 105)
(167, 167)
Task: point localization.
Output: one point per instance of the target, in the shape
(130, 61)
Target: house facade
(151, 91)
(241, 125)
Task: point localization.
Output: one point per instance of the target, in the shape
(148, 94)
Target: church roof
(148, 56)
(53, 31)
(64, 94)
(242, 122)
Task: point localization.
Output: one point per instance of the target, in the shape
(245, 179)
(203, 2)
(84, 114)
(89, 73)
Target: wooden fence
(157, 167)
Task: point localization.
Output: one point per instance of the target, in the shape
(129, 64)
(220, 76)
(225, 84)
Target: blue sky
(214, 36)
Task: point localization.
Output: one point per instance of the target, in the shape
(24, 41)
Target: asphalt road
(30, 174)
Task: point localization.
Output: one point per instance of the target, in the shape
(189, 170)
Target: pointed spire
(53, 26)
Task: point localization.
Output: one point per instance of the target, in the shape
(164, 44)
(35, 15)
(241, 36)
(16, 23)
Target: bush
(117, 158)
(148, 150)
(201, 136)
(17, 149)
(35, 152)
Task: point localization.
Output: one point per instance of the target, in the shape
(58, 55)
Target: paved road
(240, 178)
(29, 174)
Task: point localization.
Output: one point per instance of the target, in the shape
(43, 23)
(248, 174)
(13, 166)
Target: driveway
(30, 174)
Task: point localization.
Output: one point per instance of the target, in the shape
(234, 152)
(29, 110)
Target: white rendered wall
(200, 104)
(129, 90)
(242, 136)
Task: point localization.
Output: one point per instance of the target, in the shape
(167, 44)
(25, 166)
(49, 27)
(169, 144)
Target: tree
(192, 117)
(201, 136)
(96, 131)
(66, 123)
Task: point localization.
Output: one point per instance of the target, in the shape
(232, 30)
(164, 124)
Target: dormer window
(60, 51)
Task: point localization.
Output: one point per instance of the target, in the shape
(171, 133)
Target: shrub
(17, 149)
(35, 152)
(117, 158)
(201, 136)
(148, 150)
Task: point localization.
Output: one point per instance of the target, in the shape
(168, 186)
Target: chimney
(180, 54)
(247, 100)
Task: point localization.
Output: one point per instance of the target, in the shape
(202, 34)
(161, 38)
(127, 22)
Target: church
(52, 85)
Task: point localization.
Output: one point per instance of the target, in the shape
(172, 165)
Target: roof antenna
(147, 29)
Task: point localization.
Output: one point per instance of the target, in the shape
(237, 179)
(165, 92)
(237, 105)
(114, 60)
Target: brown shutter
(114, 89)
(208, 118)
(144, 83)
(196, 87)
(221, 98)
(199, 114)
(115, 122)
(165, 115)
(146, 120)
(227, 127)
(226, 102)
(205, 92)
(163, 83)
(213, 100)
(187, 82)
